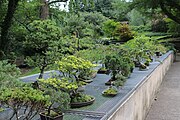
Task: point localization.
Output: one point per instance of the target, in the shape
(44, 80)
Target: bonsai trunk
(42, 71)
(113, 75)
(49, 110)
(35, 84)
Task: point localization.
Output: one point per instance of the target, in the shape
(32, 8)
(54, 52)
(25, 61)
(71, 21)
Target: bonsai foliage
(72, 67)
(79, 97)
(113, 63)
(24, 98)
(61, 84)
(141, 48)
(118, 65)
(111, 91)
(110, 27)
(57, 89)
(44, 43)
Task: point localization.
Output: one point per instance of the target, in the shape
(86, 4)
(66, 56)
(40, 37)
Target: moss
(110, 91)
(81, 98)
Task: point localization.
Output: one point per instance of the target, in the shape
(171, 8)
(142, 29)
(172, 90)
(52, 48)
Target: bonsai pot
(109, 95)
(81, 88)
(109, 82)
(158, 54)
(137, 64)
(59, 116)
(110, 92)
(94, 75)
(82, 104)
(86, 80)
(103, 71)
(143, 69)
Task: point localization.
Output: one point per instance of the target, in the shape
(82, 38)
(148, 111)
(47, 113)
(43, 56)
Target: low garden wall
(138, 102)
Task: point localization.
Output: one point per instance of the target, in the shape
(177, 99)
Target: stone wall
(136, 106)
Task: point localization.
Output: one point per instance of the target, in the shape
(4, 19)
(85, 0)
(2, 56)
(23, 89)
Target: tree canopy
(171, 8)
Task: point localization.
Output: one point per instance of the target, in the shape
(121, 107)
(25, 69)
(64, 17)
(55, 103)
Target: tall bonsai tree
(44, 43)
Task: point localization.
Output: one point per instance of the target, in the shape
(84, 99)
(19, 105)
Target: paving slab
(166, 105)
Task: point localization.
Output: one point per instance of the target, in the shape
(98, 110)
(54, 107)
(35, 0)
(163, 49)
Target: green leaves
(42, 34)
(73, 65)
(24, 97)
(9, 74)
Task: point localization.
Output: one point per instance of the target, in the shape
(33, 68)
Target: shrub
(9, 74)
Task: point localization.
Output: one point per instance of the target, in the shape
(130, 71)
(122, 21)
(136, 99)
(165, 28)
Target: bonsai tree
(73, 67)
(141, 48)
(67, 86)
(112, 63)
(111, 91)
(24, 98)
(44, 44)
(60, 99)
(63, 84)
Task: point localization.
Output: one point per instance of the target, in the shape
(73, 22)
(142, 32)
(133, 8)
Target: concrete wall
(136, 106)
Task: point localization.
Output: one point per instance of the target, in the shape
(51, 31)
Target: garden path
(166, 105)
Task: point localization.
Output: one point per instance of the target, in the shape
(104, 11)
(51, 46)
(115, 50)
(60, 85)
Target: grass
(31, 72)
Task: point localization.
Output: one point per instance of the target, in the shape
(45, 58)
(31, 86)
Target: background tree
(171, 8)
(6, 24)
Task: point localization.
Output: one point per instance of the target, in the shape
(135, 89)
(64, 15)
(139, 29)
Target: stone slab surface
(166, 105)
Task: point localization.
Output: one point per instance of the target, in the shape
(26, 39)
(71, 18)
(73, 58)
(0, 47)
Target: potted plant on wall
(116, 65)
(71, 67)
(143, 67)
(75, 68)
(25, 99)
(110, 92)
(59, 101)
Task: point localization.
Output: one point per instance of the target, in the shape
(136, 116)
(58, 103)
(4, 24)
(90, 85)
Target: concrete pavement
(166, 105)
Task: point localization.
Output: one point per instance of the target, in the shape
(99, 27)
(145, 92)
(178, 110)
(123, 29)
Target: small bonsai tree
(141, 48)
(60, 99)
(113, 63)
(73, 67)
(18, 98)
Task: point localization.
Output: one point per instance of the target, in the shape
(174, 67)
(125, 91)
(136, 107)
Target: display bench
(132, 101)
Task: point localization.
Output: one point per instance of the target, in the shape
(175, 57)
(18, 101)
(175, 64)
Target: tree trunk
(44, 10)
(4, 41)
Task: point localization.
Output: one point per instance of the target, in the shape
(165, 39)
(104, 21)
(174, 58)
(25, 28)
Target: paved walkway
(167, 103)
